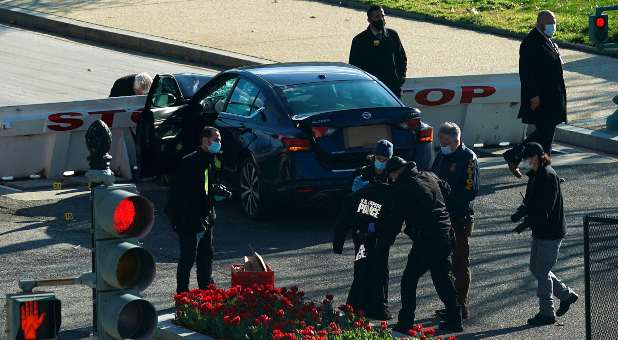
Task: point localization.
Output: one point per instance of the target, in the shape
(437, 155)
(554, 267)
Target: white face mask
(550, 30)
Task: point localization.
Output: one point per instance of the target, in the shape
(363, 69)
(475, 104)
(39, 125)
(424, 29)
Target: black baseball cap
(532, 149)
(395, 164)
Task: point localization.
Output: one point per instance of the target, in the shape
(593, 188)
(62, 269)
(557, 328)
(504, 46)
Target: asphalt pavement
(40, 68)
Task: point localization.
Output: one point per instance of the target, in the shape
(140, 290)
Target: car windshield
(191, 83)
(315, 98)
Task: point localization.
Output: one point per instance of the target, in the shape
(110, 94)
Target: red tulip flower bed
(265, 313)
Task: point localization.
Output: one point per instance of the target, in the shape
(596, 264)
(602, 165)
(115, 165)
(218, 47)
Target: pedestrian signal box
(33, 316)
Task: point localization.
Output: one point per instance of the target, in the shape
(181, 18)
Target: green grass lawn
(515, 16)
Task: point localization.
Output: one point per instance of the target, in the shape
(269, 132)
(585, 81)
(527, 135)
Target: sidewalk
(287, 30)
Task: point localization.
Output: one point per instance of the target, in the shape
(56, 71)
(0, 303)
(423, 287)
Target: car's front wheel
(251, 197)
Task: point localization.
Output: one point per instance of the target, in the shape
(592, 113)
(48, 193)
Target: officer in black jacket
(190, 208)
(418, 201)
(544, 205)
(378, 51)
(458, 166)
(364, 212)
(375, 171)
(543, 92)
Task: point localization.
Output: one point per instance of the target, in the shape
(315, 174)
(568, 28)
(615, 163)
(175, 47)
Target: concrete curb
(355, 4)
(127, 40)
(595, 140)
(167, 330)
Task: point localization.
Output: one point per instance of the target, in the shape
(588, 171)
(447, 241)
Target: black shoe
(442, 314)
(513, 162)
(566, 304)
(542, 320)
(451, 327)
(383, 314)
(400, 328)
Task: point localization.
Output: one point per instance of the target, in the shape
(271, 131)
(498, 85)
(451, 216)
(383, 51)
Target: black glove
(220, 192)
(338, 248)
(522, 226)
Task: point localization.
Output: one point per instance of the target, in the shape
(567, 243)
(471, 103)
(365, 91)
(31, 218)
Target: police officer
(364, 212)
(378, 51)
(458, 166)
(190, 208)
(374, 172)
(418, 200)
(544, 206)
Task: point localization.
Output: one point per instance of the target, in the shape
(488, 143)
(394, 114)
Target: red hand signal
(30, 319)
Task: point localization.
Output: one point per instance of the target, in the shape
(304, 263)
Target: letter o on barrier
(423, 97)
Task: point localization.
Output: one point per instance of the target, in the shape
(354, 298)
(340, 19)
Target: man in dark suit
(131, 85)
(543, 93)
(378, 50)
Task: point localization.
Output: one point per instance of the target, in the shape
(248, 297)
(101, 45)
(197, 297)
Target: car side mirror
(164, 100)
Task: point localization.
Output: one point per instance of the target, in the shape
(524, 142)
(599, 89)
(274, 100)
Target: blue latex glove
(359, 183)
(371, 228)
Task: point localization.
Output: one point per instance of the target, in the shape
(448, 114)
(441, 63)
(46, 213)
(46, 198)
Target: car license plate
(365, 136)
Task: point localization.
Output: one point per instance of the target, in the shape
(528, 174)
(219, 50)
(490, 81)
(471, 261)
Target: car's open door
(158, 127)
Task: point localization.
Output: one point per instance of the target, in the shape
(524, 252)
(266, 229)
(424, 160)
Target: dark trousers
(461, 260)
(544, 135)
(198, 249)
(435, 258)
(369, 290)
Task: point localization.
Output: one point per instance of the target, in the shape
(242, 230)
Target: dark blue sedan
(291, 132)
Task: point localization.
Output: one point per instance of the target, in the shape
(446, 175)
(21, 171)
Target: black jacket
(369, 174)
(461, 171)
(123, 86)
(189, 207)
(544, 204)
(418, 200)
(370, 205)
(384, 58)
(540, 73)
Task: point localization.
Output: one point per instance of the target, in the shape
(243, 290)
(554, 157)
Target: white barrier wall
(484, 106)
(48, 139)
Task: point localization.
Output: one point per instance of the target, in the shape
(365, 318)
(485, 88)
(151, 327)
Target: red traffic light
(124, 216)
(600, 22)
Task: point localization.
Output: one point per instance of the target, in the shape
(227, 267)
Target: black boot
(566, 304)
(542, 320)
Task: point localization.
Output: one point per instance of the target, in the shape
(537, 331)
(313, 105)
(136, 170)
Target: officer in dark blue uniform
(365, 212)
(458, 166)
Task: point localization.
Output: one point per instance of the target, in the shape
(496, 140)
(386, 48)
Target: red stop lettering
(469, 92)
(107, 116)
(423, 97)
(64, 122)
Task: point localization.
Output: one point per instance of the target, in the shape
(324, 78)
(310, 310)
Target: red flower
(384, 325)
(430, 331)
(412, 332)
(452, 337)
(280, 313)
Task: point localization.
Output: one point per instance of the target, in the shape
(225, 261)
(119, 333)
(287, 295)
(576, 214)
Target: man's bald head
(545, 18)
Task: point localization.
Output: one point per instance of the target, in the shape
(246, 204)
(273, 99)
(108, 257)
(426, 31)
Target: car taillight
(322, 131)
(295, 144)
(425, 135)
(411, 124)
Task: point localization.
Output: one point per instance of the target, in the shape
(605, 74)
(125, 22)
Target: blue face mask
(379, 165)
(446, 150)
(214, 147)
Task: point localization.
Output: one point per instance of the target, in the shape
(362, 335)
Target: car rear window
(315, 98)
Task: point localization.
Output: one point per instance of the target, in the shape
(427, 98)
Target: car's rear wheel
(251, 198)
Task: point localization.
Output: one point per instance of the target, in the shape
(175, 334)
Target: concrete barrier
(49, 139)
(484, 106)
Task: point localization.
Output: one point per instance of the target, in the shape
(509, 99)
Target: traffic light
(32, 316)
(598, 28)
(123, 268)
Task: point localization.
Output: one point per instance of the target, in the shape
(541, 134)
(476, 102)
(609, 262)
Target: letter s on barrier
(422, 97)
(469, 92)
(65, 123)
